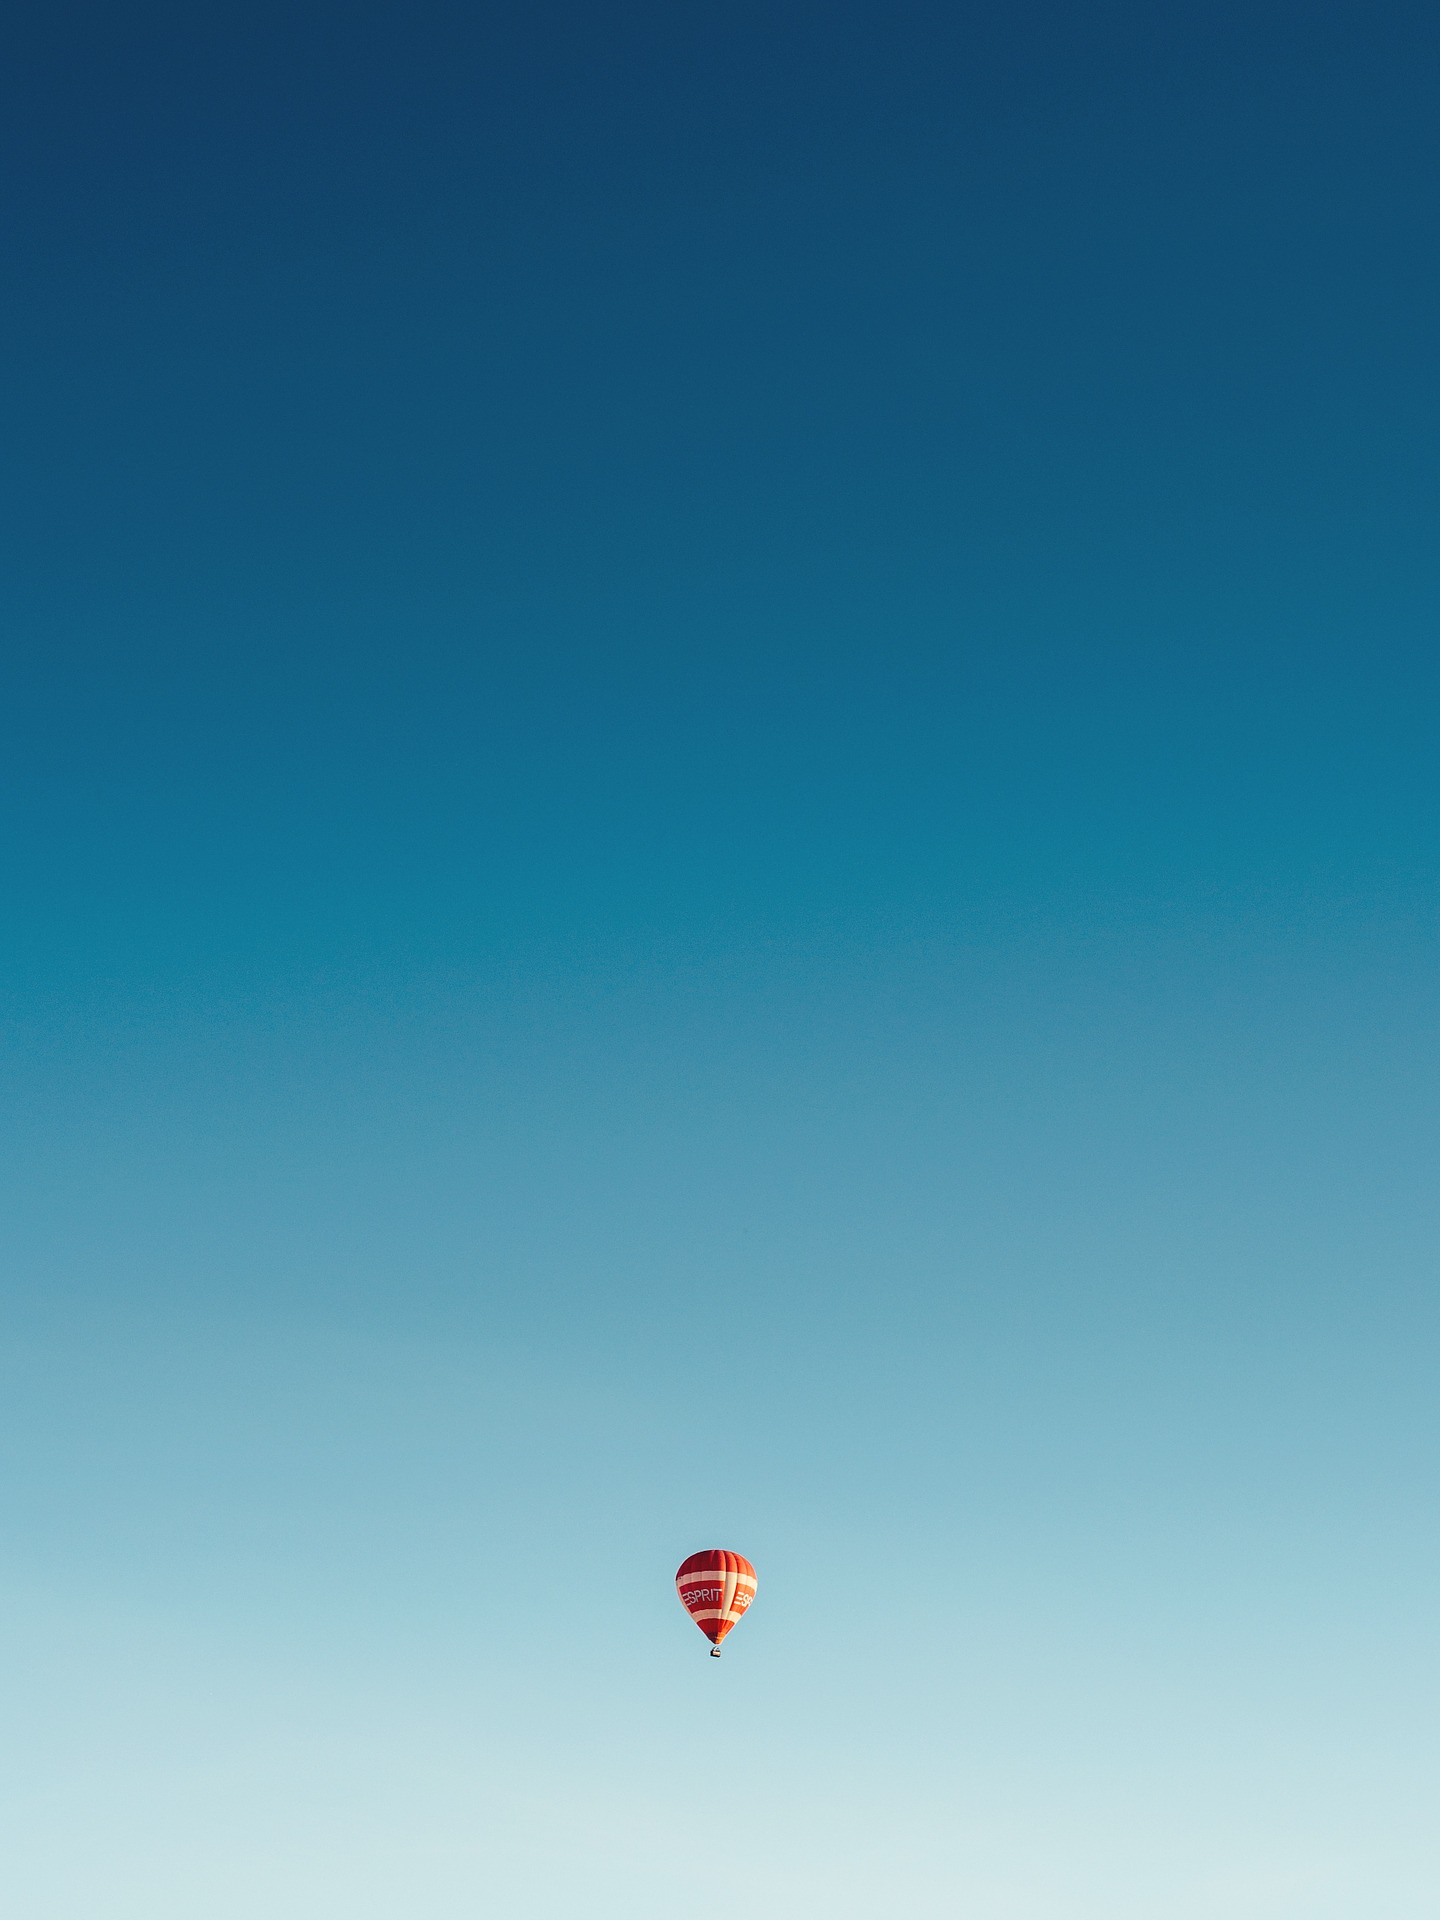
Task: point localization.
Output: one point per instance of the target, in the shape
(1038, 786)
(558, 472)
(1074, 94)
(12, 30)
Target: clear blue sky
(720, 742)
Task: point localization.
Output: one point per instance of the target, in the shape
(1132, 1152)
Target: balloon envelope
(715, 1588)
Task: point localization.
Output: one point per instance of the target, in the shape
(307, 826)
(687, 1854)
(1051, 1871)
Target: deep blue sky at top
(667, 476)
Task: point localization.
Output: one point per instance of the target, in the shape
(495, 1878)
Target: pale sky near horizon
(719, 767)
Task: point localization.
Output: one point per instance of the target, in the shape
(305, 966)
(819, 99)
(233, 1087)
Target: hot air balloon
(715, 1588)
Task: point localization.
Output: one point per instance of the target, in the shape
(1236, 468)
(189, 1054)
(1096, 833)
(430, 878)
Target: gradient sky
(720, 742)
